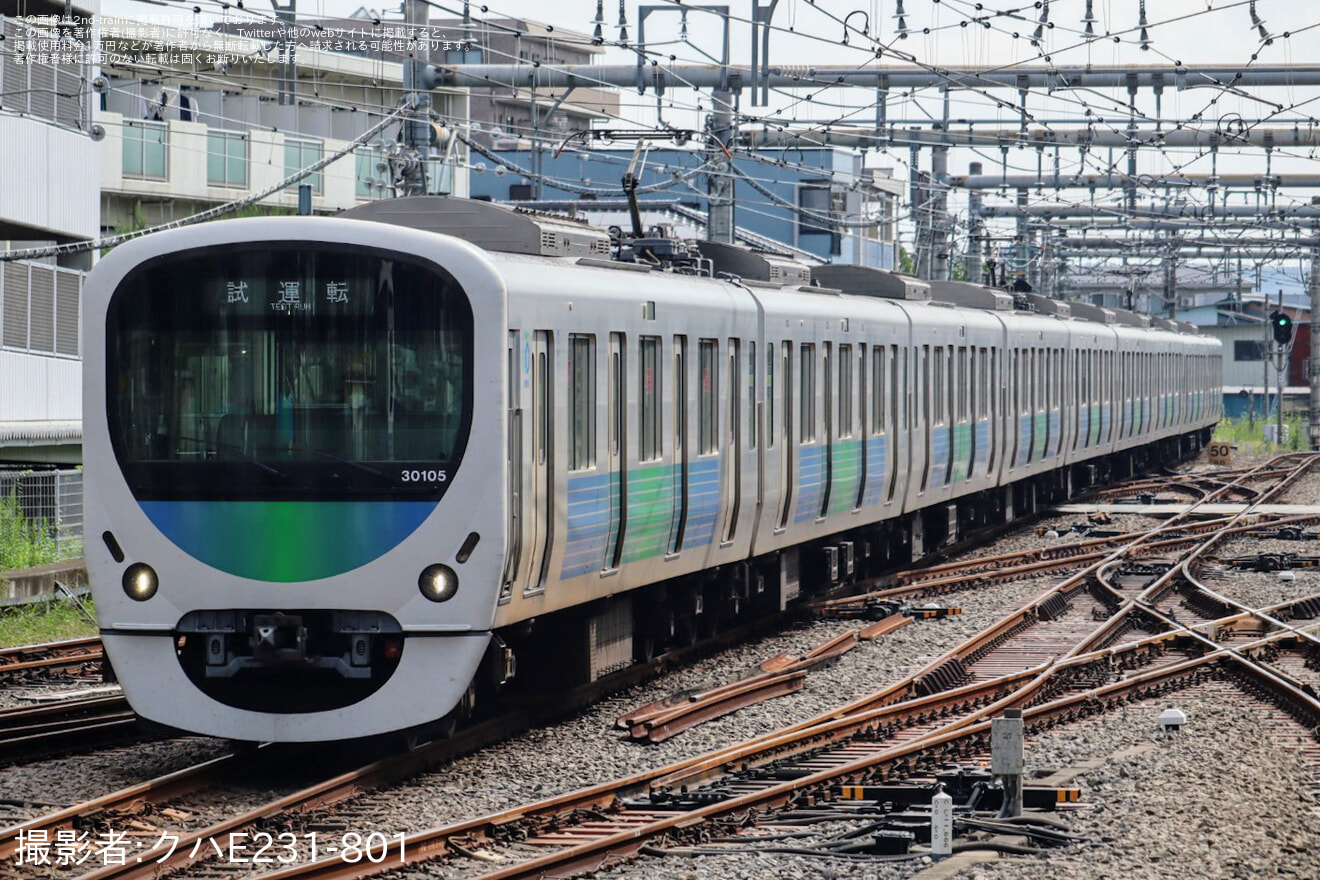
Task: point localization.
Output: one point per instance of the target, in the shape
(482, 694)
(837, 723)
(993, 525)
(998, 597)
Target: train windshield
(278, 372)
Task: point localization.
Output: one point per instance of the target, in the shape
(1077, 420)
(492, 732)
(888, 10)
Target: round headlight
(438, 583)
(140, 581)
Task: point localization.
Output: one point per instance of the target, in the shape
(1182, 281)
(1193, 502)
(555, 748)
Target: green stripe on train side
(847, 475)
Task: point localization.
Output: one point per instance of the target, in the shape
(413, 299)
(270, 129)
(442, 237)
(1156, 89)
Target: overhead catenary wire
(201, 216)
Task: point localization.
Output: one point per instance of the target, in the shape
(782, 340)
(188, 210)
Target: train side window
(616, 394)
(708, 413)
(582, 401)
(735, 419)
(807, 402)
(878, 389)
(770, 426)
(751, 395)
(649, 444)
(807, 393)
(845, 391)
(543, 400)
(938, 417)
(786, 381)
(898, 382)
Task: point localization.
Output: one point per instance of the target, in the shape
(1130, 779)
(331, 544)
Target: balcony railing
(43, 75)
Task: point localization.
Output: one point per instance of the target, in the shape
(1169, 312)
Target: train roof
(503, 229)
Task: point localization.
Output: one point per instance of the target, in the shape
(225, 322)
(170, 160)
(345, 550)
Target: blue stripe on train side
(703, 502)
(939, 457)
(982, 448)
(877, 463)
(588, 524)
(810, 482)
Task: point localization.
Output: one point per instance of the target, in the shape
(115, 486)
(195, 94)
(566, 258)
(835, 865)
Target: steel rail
(50, 656)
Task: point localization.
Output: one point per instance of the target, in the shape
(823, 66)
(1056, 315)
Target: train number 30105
(420, 476)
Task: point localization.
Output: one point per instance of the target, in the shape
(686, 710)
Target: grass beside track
(44, 622)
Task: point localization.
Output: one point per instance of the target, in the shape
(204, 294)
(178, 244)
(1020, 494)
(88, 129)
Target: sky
(947, 33)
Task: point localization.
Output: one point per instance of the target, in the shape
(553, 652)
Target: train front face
(295, 474)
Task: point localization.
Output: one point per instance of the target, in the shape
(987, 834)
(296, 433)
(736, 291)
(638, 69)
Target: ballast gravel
(1227, 798)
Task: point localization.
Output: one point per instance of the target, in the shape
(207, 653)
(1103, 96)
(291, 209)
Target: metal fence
(54, 497)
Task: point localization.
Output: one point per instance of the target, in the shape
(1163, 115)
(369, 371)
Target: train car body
(344, 475)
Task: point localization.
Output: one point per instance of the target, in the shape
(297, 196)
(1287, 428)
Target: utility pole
(719, 181)
(287, 45)
(1281, 365)
(1313, 371)
(974, 229)
(417, 124)
(1267, 352)
(939, 203)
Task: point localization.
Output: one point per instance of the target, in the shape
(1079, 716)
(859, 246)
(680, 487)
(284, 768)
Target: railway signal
(1282, 324)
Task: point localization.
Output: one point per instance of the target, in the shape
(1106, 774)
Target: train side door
(541, 486)
(618, 485)
(515, 464)
(733, 469)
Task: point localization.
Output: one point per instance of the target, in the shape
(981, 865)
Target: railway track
(896, 732)
(76, 657)
(50, 729)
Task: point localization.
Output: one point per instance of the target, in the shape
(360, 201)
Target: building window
(298, 154)
(226, 159)
(1248, 350)
(145, 149)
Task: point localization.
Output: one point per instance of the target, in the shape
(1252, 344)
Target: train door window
(973, 380)
(827, 434)
(680, 444)
(581, 401)
(899, 384)
(708, 412)
(650, 446)
(845, 391)
(807, 399)
(863, 401)
(751, 395)
(735, 399)
(937, 387)
(879, 388)
(771, 429)
(543, 407)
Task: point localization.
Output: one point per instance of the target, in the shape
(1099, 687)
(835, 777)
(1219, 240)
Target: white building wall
(46, 184)
(39, 388)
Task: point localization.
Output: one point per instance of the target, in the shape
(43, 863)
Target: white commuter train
(344, 474)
